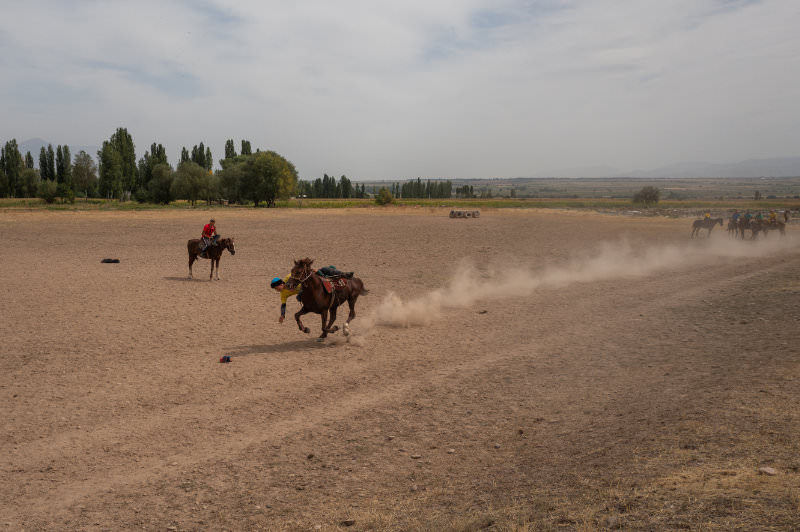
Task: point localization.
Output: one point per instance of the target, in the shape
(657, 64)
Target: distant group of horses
(738, 226)
(316, 295)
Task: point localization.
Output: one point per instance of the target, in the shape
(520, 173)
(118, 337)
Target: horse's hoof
(333, 329)
(306, 330)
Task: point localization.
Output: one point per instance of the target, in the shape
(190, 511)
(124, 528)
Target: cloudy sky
(395, 90)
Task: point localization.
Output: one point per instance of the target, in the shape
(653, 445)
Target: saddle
(332, 284)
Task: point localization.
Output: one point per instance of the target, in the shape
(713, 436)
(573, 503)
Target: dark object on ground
(111, 261)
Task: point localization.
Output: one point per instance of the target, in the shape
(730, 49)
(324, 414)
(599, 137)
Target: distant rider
(209, 234)
(773, 217)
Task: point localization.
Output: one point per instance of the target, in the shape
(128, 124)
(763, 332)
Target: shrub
(48, 190)
(647, 196)
(384, 197)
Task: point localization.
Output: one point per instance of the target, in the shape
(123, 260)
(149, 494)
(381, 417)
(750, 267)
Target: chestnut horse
(316, 299)
(213, 252)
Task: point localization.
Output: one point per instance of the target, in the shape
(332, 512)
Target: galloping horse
(316, 299)
(707, 223)
(213, 252)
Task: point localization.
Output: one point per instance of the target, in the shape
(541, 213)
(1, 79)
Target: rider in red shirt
(209, 232)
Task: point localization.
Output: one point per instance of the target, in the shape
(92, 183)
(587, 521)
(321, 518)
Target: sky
(379, 90)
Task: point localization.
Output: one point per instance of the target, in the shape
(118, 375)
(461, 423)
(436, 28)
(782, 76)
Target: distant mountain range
(774, 167)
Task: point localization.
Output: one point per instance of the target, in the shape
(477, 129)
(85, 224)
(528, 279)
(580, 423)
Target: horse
(733, 228)
(213, 252)
(746, 223)
(707, 223)
(316, 299)
(777, 225)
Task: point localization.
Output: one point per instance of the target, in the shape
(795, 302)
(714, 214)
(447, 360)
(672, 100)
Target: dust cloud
(609, 260)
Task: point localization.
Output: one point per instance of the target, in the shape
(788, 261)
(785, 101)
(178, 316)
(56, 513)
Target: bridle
(306, 278)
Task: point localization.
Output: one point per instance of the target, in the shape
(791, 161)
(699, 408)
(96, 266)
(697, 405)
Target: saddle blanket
(333, 284)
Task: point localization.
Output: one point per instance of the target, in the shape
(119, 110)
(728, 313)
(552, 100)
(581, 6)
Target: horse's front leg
(331, 320)
(300, 323)
(324, 316)
(217, 261)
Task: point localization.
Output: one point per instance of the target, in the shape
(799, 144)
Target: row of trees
(260, 177)
(328, 187)
(418, 189)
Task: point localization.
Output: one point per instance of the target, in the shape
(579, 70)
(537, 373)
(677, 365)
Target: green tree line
(261, 177)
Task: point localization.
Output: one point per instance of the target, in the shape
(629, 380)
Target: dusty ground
(588, 372)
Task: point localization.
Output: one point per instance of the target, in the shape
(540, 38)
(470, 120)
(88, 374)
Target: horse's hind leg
(352, 303)
(192, 258)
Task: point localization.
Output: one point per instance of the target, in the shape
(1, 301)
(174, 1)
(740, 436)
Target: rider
(735, 216)
(279, 285)
(333, 271)
(209, 232)
(773, 218)
(707, 215)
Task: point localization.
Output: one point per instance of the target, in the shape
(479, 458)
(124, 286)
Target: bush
(48, 190)
(384, 197)
(141, 196)
(647, 196)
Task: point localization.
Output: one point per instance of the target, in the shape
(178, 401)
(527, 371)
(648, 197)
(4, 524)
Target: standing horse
(315, 298)
(213, 252)
(733, 228)
(707, 223)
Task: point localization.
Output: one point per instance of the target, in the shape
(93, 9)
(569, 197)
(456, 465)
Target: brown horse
(707, 223)
(316, 299)
(776, 225)
(213, 252)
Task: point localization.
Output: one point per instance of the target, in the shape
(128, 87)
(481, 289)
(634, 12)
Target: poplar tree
(230, 149)
(51, 163)
(43, 164)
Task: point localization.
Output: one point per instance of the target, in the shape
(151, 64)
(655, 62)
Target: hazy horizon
(450, 90)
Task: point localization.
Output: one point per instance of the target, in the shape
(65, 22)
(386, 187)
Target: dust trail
(610, 260)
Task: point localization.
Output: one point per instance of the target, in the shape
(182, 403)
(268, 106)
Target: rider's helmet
(275, 282)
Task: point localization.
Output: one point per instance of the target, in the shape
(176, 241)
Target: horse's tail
(360, 287)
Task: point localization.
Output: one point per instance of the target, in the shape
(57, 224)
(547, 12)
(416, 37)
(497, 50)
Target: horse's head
(301, 271)
(227, 243)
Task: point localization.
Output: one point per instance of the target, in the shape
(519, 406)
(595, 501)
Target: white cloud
(385, 90)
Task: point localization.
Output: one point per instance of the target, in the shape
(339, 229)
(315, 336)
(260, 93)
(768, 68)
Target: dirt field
(526, 370)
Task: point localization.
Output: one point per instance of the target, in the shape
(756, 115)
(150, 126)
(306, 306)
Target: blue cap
(275, 282)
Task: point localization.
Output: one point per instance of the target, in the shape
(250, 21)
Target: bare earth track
(595, 372)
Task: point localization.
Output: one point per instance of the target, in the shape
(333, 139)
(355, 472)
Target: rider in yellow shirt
(279, 285)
